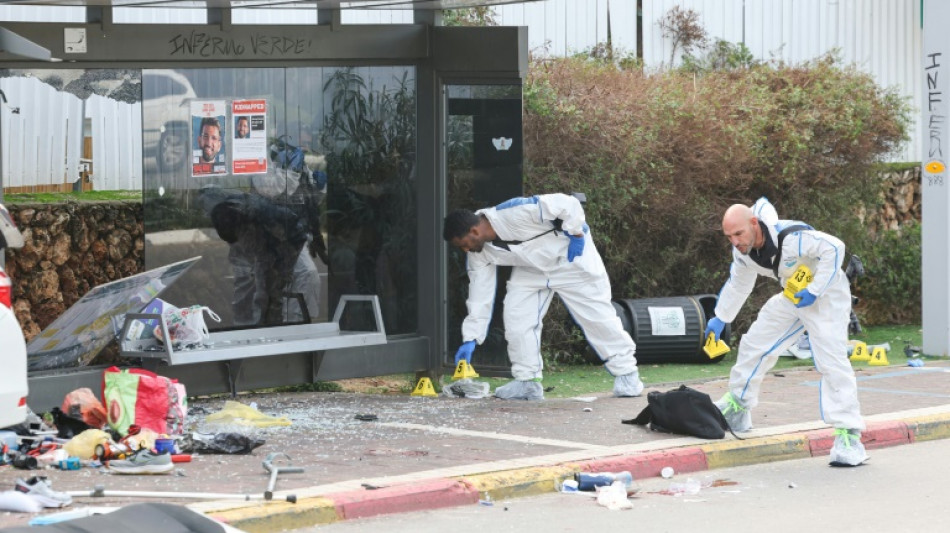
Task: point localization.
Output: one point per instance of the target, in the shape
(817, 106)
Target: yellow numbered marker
(464, 370)
(798, 281)
(860, 352)
(878, 357)
(424, 388)
(714, 348)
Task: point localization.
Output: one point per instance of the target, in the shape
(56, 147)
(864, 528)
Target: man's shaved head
(742, 228)
(736, 214)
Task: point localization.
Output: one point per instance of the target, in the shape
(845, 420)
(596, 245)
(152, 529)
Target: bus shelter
(304, 163)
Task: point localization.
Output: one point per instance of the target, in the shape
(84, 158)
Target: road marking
(496, 436)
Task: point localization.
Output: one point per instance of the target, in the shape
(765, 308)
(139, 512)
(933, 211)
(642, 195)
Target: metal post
(935, 185)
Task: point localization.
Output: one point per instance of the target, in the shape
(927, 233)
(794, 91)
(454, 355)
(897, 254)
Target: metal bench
(230, 347)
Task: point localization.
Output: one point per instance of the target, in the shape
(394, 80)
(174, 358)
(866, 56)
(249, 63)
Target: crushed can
(589, 481)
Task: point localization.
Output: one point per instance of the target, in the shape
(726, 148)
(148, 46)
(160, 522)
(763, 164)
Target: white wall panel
(116, 145)
(376, 16)
(880, 37)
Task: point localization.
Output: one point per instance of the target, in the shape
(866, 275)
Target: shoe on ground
(738, 417)
(40, 489)
(628, 386)
(520, 390)
(847, 449)
(143, 462)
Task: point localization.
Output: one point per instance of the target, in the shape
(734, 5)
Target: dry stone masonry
(70, 248)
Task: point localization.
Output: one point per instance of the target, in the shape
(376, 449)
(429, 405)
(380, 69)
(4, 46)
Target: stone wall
(70, 248)
(901, 201)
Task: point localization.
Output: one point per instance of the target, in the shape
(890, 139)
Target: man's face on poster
(209, 142)
(243, 128)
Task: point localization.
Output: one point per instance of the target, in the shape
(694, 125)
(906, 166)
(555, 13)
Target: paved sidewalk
(424, 453)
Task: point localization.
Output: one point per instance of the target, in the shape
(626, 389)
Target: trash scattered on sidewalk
(590, 481)
(586, 399)
(237, 413)
(667, 472)
(17, 502)
(144, 461)
(219, 443)
(614, 496)
(917, 363)
(41, 489)
(467, 388)
(56, 518)
(689, 487)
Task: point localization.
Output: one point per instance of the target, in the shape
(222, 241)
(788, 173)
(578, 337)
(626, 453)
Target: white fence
(43, 133)
(42, 144)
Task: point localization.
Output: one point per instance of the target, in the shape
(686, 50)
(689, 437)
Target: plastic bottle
(588, 481)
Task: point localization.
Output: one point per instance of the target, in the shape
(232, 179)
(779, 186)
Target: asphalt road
(903, 488)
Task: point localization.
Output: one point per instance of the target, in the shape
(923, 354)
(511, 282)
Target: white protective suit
(541, 270)
(780, 323)
(250, 292)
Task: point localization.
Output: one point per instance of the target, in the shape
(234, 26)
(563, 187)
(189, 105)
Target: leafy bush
(662, 156)
(890, 292)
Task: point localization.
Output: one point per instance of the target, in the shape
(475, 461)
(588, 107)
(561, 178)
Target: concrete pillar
(935, 182)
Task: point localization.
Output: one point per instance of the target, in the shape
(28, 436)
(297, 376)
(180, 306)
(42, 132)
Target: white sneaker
(40, 489)
(520, 390)
(847, 449)
(628, 386)
(738, 417)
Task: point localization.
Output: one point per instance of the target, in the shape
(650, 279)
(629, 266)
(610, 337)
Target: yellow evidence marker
(714, 348)
(464, 370)
(860, 352)
(424, 388)
(798, 281)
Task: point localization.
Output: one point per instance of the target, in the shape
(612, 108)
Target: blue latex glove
(807, 298)
(575, 247)
(714, 326)
(465, 352)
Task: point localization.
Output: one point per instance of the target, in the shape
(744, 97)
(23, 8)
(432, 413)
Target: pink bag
(137, 396)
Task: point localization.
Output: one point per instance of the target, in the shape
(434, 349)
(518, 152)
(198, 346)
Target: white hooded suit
(780, 323)
(538, 254)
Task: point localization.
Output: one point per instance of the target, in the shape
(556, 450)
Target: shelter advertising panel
(209, 131)
(249, 152)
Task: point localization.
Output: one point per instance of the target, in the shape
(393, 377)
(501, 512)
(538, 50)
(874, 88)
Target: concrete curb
(470, 489)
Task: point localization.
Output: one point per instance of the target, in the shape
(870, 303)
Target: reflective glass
(296, 186)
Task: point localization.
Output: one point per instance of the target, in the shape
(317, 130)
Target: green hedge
(661, 156)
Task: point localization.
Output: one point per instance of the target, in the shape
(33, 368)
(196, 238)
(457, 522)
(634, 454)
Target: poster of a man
(242, 127)
(249, 148)
(208, 119)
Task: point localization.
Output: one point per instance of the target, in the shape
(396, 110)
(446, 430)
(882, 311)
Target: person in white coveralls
(763, 245)
(548, 243)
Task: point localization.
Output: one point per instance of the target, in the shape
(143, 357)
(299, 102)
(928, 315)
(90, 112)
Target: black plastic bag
(219, 443)
(684, 411)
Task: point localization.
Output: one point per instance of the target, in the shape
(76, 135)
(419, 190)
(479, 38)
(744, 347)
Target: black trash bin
(670, 330)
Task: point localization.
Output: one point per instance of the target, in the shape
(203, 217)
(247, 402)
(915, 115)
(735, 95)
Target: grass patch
(65, 197)
(585, 380)
(566, 381)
